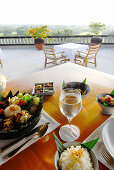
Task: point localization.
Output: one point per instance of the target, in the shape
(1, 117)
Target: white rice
(11, 110)
(70, 160)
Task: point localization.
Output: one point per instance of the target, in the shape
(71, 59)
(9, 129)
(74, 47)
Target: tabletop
(40, 155)
(70, 49)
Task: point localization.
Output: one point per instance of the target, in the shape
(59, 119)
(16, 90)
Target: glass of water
(70, 103)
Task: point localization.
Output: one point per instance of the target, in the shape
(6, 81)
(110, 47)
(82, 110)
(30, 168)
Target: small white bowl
(68, 145)
(105, 110)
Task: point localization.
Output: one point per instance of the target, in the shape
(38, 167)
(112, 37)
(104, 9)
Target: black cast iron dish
(25, 127)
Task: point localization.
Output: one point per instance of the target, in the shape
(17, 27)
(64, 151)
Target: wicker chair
(83, 58)
(51, 57)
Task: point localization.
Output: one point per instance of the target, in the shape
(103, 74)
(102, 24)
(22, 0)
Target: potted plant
(96, 29)
(38, 33)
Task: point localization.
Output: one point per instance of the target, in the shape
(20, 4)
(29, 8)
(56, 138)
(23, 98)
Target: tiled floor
(20, 61)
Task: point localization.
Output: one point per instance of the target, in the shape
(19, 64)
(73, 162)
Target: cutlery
(42, 130)
(24, 137)
(107, 157)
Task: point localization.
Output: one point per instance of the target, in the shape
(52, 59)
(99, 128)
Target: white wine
(70, 105)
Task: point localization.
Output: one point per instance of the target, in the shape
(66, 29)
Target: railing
(51, 40)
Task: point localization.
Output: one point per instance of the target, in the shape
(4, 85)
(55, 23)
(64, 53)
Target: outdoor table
(70, 49)
(40, 155)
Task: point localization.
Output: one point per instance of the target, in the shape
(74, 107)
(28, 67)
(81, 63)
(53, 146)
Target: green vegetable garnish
(112, 93)
(61, 147)
(84, 82)
(1, 97)
(105, 104)
(16, 93)
(26, 97)
(9, 95)
(63, 85)
(90, 144)
(36, 100)
(19, 95)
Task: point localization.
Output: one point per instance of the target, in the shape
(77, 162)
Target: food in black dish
(46, 90)
(51, 90)
(39, 86)
(38, 90)
(43, 89)
(19, 113)
(83, 88)
(48, 84)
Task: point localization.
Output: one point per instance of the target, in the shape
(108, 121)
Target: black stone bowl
(78, 85)
(15, 133)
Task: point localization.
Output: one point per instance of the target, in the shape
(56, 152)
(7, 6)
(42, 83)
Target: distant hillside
(22, 30)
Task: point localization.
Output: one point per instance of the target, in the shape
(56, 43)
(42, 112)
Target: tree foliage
(64, 32)
(96, 27)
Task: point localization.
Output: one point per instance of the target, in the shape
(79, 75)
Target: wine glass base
(69, 133)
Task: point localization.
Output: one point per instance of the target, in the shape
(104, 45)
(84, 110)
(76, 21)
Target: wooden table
(40, 155)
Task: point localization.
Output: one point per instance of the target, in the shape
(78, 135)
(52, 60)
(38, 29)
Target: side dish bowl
(22, 130)
(68, 145)
(78, 85)
(106, 110)
(19, 114)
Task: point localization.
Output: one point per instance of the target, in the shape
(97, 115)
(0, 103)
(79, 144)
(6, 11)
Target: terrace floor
(20, 61)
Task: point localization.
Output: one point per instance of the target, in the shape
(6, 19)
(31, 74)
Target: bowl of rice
(75, 157)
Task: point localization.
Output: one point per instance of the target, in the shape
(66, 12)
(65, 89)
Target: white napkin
(44, 118)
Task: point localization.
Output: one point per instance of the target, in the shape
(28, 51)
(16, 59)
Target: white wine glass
(70, 103)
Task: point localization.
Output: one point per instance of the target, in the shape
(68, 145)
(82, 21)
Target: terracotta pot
(39, 43)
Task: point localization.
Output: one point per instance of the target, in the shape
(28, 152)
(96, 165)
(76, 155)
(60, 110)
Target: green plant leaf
(9, 95)
(90, 144)
(84, 82)
(16, 93)
(1, 97)
(112, 93)
(63, 84)
(60, 146)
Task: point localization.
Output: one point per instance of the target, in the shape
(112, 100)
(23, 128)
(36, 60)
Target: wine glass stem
(70, 129)
(69, 122)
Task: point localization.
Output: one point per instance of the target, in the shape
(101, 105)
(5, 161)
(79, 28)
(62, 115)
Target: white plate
(108, 136)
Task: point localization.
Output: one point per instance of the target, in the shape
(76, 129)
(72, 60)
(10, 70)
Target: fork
(106, 156)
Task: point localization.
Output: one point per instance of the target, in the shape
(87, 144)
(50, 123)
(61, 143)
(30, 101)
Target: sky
(56, 12)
